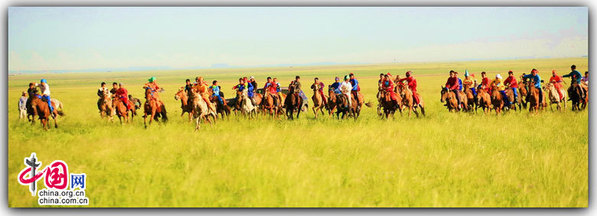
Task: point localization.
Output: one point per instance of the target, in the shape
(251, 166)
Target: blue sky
(76, 38)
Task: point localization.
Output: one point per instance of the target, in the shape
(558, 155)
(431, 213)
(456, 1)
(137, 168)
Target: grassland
(441, 160)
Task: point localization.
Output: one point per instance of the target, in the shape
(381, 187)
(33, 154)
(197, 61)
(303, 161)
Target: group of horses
(405, 99)
(528, 96)
(109, 105)
(274, 105)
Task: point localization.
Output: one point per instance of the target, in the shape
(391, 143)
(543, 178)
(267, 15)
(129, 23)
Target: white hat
(498, 76)
(252, 77)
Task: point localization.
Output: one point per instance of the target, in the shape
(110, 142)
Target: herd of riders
(578, 83)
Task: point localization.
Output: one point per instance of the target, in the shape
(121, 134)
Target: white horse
(554, 97)
(200, 109)
(246, 104)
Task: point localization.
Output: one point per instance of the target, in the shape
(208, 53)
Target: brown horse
(533, 99)
(511, 98)
(483, 100)
(221, 107)
(408, 100)
(42, 110)
(579, 100)
(389, 106)
(497, 100)
(293, 103)
(106, 107)
(121, 110)
(318, 99)
(153, 108)
(450, 98)
(257, 98)
(184, 102)
(271, 104)
(332, 102)
(470, 98)
(344, 107)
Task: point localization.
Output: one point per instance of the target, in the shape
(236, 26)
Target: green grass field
(440, 160)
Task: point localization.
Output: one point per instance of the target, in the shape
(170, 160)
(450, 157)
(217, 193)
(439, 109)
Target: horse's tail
(60, 112)
(368, 104)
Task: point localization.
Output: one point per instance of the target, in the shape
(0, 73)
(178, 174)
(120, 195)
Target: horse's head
(179, 94)
(444, 94)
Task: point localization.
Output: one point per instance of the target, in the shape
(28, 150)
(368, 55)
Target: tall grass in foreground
(441, 160)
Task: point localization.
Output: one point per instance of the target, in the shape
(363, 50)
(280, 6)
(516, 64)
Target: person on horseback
(511, 82)
(100, 93)
(215, 92)
(336, 86)
(122, 93)
(114, 88)
(387, 85)
(202, 88)
(412, 85)
(469, 80)
(557, 83)
(154, 89)
(585, 80)
(272, 89)
(537, 81)
(453, 85)
(278, 89)
(296, 86)
(355, 87)
(501, 88)
(575, 78)
(45, 92)
(316, 83)
(380, 81)
(346, 88)
(253, 83)
(485, 82)
(188, 86)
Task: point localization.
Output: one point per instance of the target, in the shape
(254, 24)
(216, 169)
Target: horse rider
(319, 86)
(537, 82)
(387, 85)
(346, 88)
(202, 87)
(154, 89)
(45, 92)
(114, 88)
(122, 93)
(296, 86)
(335, 86)
(278, 88)
(253, 83)
(469, 80)
(485, 82)
(215, 92)
(501, 88)
(585, 80)
(513, 84)
(575, 77)
(272, 89)
(355, 87)
(557, 83)
(380, 81)
(239, 88)
(412, 85)
(453, 85)
(100, 93)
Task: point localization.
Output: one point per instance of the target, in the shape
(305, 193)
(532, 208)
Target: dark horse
(293, 103)
(343, 106)
(576, 96)
(389, 106)
(153, 107)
